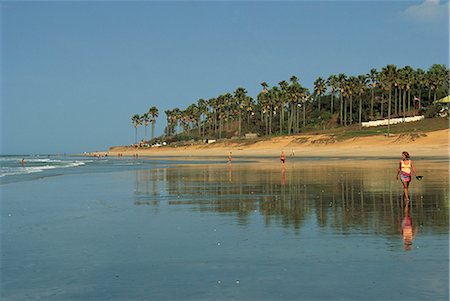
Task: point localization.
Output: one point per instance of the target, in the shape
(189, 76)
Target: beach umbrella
(446, 99)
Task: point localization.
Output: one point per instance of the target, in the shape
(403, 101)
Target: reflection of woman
(408, 231)
(404, 170)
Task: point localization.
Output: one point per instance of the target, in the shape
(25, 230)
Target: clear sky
(73, 73)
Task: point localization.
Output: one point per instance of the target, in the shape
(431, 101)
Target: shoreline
(433, 144)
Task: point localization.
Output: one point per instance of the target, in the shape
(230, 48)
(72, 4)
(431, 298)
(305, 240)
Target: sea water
(154, 229)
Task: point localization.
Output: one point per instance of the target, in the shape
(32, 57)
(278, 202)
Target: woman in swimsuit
(283, 157)
(404, 170)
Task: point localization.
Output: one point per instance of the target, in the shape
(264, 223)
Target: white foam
(9, 171)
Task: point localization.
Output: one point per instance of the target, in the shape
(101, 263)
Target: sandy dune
(431, 144)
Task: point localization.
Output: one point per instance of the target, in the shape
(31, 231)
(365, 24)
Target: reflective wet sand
(311, 230)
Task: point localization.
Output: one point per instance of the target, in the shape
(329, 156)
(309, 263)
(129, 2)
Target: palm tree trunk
(240, 123)
(332, 103)
(404, 104)
(135, 134)
(345, 112)
(389, 111)
(360, 110)
(266, 117)
(153, 130)
(270, 120)
(395, 101)
(291, 119)
(304, 114)
(371, 103)
(409, 100)
(262, 115)
(281, 119)
(351, 108)
(340, 110)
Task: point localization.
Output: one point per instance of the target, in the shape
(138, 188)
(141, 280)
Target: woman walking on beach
(283, 157)
(404, 170)
(230, 158)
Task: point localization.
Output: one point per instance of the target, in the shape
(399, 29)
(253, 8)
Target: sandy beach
(430, 144)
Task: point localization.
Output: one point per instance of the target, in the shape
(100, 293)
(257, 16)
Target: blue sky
(73, 73)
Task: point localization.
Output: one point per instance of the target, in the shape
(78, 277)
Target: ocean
(82, 228)
(41, 166)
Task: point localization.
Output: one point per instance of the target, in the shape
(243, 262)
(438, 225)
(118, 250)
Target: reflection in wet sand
(344, 196)
(409, 230)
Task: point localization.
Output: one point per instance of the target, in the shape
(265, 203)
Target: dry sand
(430, 144)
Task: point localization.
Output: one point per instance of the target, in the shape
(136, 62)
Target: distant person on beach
(230, 158)
(404, 170)
(282, 157)
(23, 162)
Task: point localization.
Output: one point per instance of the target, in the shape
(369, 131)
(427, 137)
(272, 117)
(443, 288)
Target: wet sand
(253, 230)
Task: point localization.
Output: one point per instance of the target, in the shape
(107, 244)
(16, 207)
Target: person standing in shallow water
(283, 157)
(404, 170)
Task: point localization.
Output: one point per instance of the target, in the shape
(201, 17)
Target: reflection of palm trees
(341, 198)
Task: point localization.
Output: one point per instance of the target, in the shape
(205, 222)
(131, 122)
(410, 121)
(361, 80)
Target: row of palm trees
(289, 107)
(150, 116)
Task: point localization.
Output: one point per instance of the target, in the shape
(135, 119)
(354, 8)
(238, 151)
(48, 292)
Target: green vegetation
(337, 105)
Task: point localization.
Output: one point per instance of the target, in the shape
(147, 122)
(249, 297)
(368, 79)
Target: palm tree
(294, 95)
(249, 108)
(319, 89)
(389, 74)
(361, 86)
(176, 118)
(373, 83)
(352, 83)
(306, 96)
(333, 84)
(420, 81)
(342, 78)
(203, 110)
(145, 118)
(282, 99)
(265, 86)
(153, 111)
(169, 127)
(264, 102)
(193, 115)
(136, 121)
(437, 77)
(240, 97)
(274, 95)
(408, 83)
